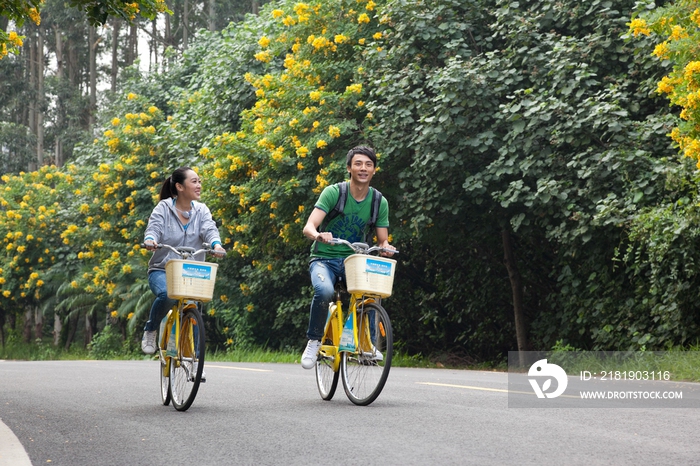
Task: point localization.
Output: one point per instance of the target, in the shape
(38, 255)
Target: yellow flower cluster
(303, 12)
(14, 39)
(34, 15)
(264, 42)
(639, 26)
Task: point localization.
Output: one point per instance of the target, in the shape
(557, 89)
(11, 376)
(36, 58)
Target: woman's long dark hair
(168, 189)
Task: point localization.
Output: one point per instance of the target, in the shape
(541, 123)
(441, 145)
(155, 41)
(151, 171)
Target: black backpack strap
(373, 214)
(336, 210)
(374, 210)
(339, 205)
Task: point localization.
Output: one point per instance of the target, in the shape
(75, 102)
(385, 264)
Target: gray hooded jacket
(164, 226)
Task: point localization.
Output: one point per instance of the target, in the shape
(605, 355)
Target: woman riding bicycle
(179, 219)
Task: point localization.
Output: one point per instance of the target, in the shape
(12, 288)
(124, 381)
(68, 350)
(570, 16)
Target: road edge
(12, 453)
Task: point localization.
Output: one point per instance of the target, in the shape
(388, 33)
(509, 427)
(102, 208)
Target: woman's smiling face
(192, 188)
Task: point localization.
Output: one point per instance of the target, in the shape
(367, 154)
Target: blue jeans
(324, 274)
(162, 304)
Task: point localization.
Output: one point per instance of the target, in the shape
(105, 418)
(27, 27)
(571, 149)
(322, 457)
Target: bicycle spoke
(186, 368)
(366, 370)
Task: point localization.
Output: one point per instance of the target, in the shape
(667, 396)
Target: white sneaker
(148, 342)
(374, 355)
(194, 373)
(308, 359)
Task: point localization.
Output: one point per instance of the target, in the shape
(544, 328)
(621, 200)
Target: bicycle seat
(340, 285)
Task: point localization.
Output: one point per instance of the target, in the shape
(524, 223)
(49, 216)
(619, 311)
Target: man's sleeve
(328, 198)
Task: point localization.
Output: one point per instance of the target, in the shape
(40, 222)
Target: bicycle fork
(333, 332)
(169, 335)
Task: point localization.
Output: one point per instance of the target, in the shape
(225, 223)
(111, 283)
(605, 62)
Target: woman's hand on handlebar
(218, 251)
(150, 245)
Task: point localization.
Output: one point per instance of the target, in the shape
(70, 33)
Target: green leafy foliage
(534, 118)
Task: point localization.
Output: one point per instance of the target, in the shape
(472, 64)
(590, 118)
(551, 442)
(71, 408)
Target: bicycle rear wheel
(366, 370)
(186, 368)
(326, 377)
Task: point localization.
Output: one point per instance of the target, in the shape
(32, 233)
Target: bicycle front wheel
(186, 368)
(165, 381)
(326, 377)
(366, 370)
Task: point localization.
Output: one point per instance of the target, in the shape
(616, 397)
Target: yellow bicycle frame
(173, 318)
(334, 329)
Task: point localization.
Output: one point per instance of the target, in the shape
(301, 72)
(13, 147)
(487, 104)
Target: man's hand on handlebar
(387, 253)
(150, 245)
(324, 237)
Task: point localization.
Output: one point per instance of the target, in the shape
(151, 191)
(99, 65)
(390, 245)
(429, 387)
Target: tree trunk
(185, 24)
(116, 25)
(27, 330)
(32, 86)
(132, 49)
(90, 327)
(38, 324)
(166, 34)
(58, 147)
(167, 37)
(212, 15)
(153, 65)
(72, 67)
(2, 327)
(134, 42)
(93, 77)
(255, 7)
(72, 329)
(516, 285)
(57, 328)
(40, 97)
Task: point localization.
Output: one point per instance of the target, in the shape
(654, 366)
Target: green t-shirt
(350, 225)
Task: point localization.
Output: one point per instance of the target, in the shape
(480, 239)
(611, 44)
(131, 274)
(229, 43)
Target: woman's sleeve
(156, 224)
(209, 231)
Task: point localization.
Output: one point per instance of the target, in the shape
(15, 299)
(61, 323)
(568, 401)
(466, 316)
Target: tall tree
(116, 26)
(92, 44)
(40, 96)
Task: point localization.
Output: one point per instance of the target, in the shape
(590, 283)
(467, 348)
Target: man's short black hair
(364, 150)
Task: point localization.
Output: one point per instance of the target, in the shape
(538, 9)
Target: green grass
(677, 364)
(45, 351)
(41, 351)
(254, 355)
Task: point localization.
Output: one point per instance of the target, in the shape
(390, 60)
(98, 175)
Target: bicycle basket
(190, 279)
(369, 274)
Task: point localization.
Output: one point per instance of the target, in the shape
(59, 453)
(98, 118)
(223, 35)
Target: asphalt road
(109, 413)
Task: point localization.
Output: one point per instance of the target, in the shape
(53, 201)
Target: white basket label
(202, 272)
(378, 267)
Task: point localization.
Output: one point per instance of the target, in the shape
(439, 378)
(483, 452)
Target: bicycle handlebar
(361, 248)
(187, 252)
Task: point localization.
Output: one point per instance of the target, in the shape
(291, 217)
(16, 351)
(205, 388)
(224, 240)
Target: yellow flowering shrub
(676, 28)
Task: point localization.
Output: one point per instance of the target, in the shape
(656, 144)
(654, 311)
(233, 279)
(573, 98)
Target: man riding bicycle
(348, 211)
